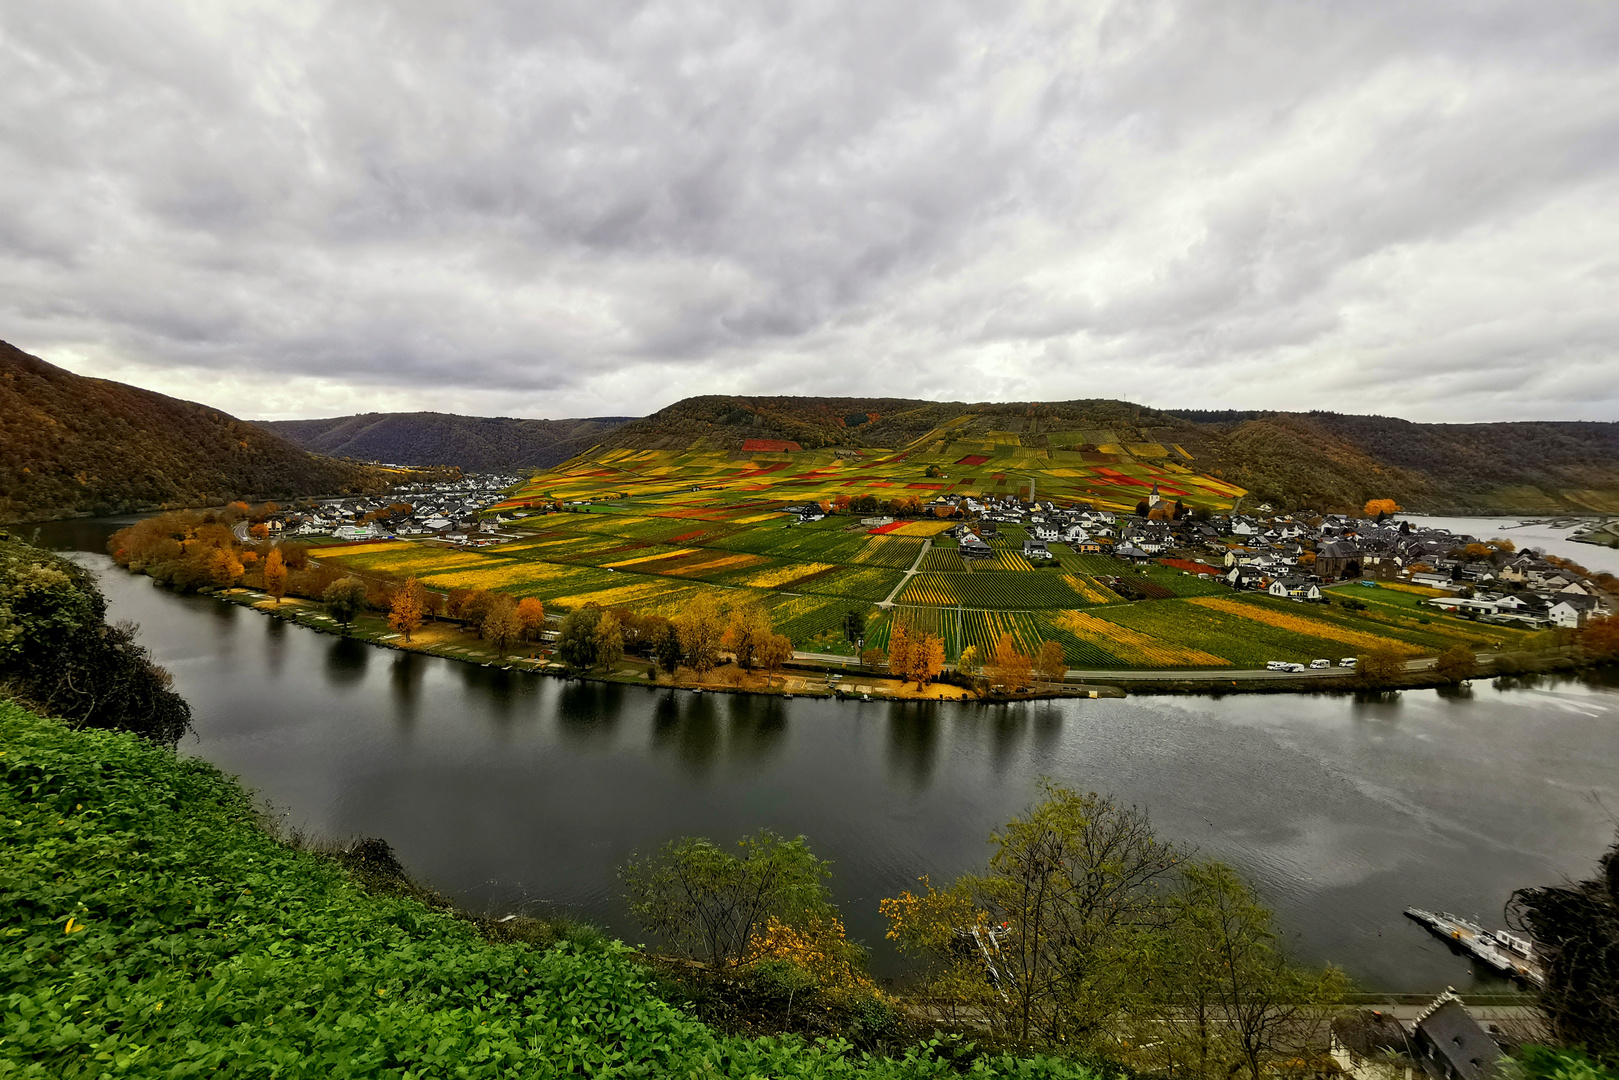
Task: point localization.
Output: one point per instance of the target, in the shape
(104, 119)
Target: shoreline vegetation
(704, 646)
(161, 925)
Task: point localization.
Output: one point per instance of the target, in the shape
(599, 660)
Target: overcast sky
(564, 208)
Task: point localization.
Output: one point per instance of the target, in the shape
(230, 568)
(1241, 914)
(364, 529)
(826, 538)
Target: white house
(1295, 588)
(1566, 614)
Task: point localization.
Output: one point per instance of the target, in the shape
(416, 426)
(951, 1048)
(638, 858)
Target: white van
(1276, 665)
(1295, 668)
(1349, 661)
(1320, 664)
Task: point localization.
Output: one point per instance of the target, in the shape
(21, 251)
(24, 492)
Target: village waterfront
(509, 790)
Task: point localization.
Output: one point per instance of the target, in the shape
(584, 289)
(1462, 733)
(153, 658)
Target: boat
(1507, 953)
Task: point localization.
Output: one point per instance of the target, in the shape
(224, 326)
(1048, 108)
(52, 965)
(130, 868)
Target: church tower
(1154, 499)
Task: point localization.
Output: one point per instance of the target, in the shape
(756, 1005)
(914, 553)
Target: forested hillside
(69, 444)
(473, 443)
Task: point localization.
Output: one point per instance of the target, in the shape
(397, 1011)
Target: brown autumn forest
(72, 445)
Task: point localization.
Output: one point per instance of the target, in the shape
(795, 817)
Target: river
(508, 790)
(1552, 541)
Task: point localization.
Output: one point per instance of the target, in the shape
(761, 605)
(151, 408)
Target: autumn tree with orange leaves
(1381, 508)
(405, 609)
(275, 575)
(1009, 666)
(531, 613)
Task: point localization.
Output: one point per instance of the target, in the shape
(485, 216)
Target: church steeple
(1154, 499)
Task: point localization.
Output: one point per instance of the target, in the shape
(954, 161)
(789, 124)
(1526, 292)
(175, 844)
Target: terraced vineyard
(649, 530)
(1031, 589)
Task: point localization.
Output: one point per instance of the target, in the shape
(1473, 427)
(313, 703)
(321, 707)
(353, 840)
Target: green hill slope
(155, 930)
(1327, 461)
(474, 443)
(69, 445)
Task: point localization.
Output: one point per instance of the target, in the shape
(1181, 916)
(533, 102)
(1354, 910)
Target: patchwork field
(649, 530)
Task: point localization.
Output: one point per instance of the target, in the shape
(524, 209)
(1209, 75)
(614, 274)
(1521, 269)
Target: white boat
(1509, 954)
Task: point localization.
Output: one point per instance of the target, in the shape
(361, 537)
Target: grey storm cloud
(292, 209)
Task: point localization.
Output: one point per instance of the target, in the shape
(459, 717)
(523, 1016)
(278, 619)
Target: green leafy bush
(154, 929)
(57, 651)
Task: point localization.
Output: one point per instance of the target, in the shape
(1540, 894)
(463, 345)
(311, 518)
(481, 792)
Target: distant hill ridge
(1320, 459)
(474, 443)
(73, 445)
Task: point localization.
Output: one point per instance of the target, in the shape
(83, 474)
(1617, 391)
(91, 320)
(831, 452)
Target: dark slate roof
(1452, 1044)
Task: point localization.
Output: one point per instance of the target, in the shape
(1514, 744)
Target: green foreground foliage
(1550, 1063)
(58, 653)
(154, 929)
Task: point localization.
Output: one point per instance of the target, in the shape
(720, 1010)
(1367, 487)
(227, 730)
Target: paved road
(920, 555)
(1180, 674)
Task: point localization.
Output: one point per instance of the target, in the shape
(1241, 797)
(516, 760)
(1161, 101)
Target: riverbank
(809, 679)
(451, 641)
(157, 927)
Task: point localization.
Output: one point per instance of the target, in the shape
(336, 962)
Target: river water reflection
(505, 789)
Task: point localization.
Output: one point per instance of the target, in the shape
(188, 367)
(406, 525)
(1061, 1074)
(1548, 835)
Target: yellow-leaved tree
(405, 609)
(700, 628)
(1009, 666)
(927, 659)
(900, 647)
(275, 575)
(531, 613)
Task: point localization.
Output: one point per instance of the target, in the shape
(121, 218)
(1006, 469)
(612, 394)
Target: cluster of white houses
(1503, 586)
(1289, 556)
(1293, 556)
(453, 512)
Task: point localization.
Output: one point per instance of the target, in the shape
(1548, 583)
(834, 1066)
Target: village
(452, 512)
(1295, 555)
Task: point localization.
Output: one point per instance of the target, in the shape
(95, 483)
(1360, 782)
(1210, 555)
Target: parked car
(1349, 661)
(1320, 663)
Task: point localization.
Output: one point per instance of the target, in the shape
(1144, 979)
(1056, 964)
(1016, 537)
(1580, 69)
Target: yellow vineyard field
(1090, 589)
(923, 528)
(649, 596)
(780, 575)
(1416, 590)
(715, 565)
(1012, 560)
(511, 576)
(1298, 624)
(661, 553)
(1133, 646)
